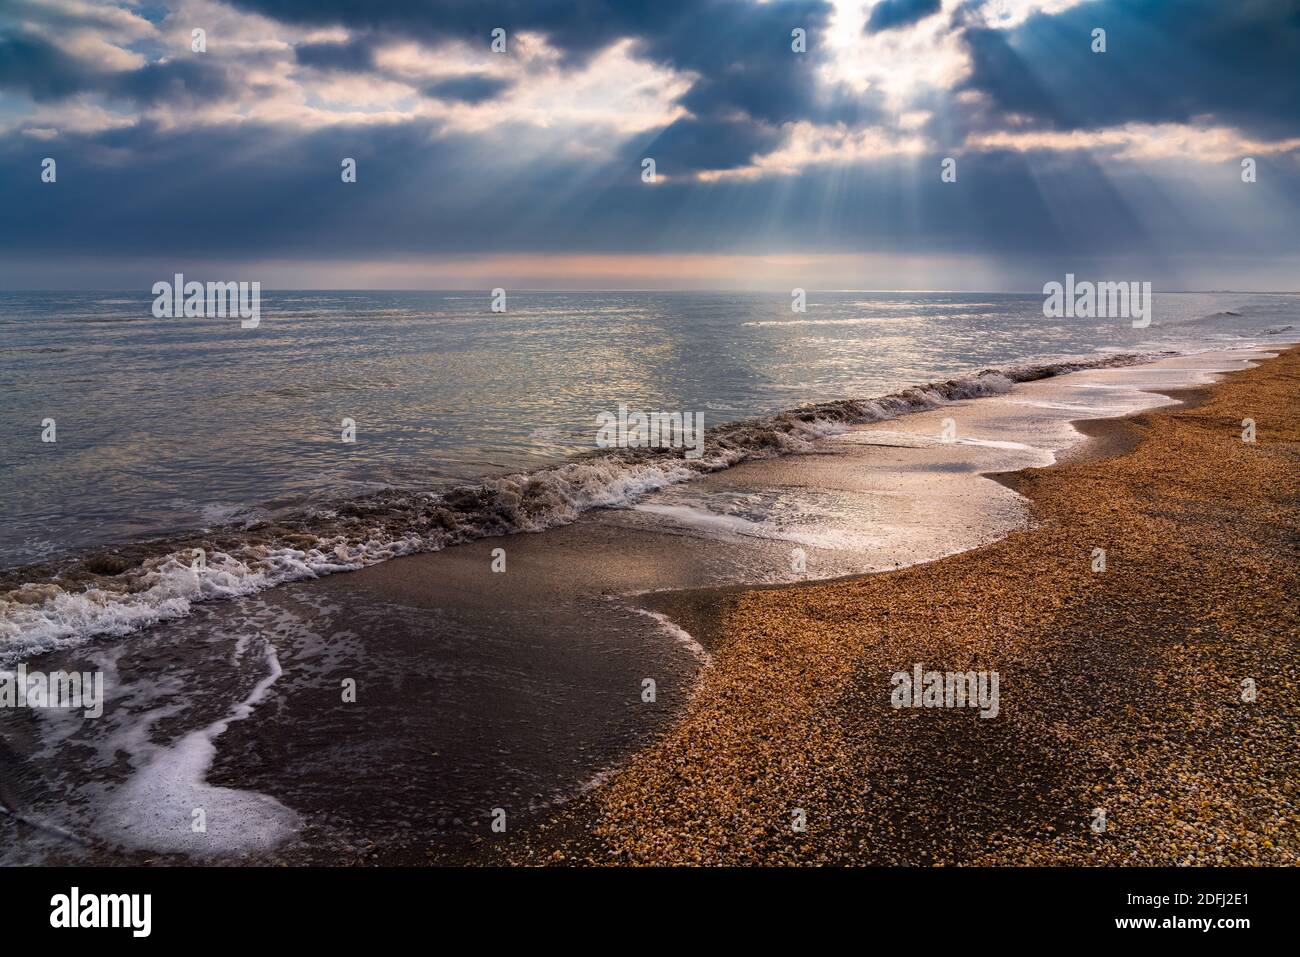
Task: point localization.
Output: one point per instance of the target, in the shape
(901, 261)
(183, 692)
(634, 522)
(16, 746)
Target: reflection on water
(173, 424)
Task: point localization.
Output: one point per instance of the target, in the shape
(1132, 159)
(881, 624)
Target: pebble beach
(1148, 711)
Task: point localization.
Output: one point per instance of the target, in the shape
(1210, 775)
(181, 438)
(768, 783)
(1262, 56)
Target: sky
(781, 158)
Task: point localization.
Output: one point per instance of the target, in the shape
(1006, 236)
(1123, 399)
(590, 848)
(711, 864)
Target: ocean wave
(51, 605)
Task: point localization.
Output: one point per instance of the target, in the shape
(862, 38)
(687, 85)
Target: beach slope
(1147, 711)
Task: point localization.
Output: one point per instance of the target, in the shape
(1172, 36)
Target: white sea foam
(156, 808)
(680, 635)
(819, 536)
(166, 591)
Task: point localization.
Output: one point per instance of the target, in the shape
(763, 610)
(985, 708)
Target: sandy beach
(1123, 735)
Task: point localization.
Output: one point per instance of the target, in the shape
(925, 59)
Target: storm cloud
(760, 144)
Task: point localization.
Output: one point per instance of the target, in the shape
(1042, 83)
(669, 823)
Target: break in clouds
(800, 127)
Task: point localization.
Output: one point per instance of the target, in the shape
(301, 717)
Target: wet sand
(1121, 690)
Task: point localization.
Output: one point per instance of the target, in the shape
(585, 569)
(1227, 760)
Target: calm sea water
(167, 425)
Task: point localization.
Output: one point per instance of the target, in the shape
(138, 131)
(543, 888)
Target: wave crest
(56, 604)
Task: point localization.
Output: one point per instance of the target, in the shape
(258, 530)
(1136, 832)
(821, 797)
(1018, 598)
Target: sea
(344, 419)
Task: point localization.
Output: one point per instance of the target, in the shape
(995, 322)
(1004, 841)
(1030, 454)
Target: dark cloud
(576, 27)
(31, 65)
(749, 82)
(689, 145)
(356, 56)
(470, 88)
(740, 50)
(742, 54)
(175, 82)
(1164, 62)
(205, 193)
(891, 14)
(251, 190)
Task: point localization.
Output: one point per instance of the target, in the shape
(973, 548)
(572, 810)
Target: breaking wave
(50, 605)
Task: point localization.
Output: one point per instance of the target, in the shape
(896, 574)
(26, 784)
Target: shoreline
(526, 684)
(1103, 438)
(817, 733)
(67, 600)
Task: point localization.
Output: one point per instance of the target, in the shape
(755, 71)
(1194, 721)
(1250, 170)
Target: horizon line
(616, 289)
